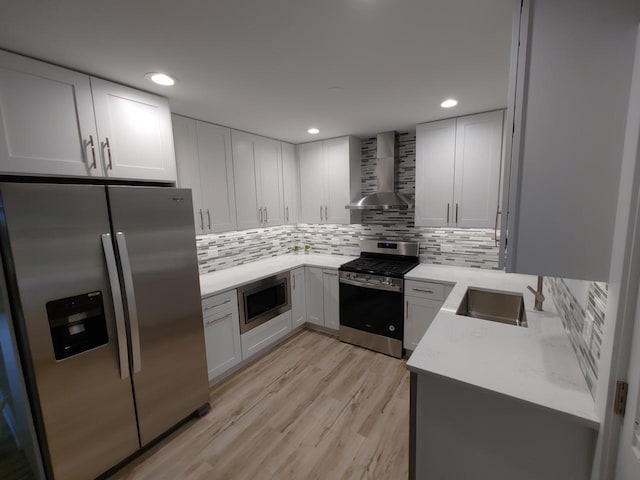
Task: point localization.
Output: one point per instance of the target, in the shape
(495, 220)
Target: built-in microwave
(263, 300)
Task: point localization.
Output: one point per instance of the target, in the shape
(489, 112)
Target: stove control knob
(367, 278)
(392, 328)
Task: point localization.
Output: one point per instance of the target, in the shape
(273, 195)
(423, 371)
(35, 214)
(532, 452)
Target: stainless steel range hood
(386, 197)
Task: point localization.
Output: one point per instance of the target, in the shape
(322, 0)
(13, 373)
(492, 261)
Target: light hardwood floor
(313, 408)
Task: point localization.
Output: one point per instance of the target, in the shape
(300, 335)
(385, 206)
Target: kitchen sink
(495, 306)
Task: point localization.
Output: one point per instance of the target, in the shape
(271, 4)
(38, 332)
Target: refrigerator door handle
(118, 308)
(131, 301)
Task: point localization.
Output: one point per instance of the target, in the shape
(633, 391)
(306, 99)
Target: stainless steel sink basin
(495, 306)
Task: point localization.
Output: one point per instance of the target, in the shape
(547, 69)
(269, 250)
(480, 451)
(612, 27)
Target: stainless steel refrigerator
(105, 296)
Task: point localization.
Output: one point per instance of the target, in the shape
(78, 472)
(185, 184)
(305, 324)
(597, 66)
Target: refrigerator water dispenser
(77, 324)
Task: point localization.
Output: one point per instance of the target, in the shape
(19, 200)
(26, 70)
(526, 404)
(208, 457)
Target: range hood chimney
(386, 197)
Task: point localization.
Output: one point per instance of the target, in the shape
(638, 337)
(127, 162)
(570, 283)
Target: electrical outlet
(335, 241)
(587, 331)
(446, 248)
(276, 243)
(213, 252)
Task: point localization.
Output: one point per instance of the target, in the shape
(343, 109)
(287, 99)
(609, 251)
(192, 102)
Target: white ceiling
(267, 66)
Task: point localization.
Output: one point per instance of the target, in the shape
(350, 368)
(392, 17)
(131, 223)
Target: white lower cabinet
(222, 333)
(422, 302)
(322, 295)
(298, 303)
(266, 334)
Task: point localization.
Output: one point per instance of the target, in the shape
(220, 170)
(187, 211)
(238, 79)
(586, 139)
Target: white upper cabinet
(458, 171)
(435, 157)
(329, 180)
(204, 163)
(59, 122)
(312, 172)
(269, 180)
(257, 167)
(46, 120)
(134, 127)
(568, 103)
(291, 183)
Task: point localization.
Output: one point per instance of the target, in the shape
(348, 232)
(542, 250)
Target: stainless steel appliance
(263, 300)
(104, 290)
(371, 295)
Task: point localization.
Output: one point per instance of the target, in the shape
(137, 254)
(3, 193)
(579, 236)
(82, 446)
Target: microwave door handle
(131, 301)
(116, 294)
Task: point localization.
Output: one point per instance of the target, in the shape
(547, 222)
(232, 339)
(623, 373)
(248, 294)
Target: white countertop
(535, 364)
(219, 281)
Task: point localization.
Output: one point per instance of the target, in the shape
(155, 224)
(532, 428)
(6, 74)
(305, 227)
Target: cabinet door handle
(93, 152)
(287, 213)
(266, 215)
(333, 274)
(293, 280)
(495, 227)
(406, 310)
(447, 214)
(209, 218)
(108, 145)
(320, 212)
(217, 305)
(201, 220)
(260, 215)
(456, 213)
(326, 217)
(423, 291)
(211, 322)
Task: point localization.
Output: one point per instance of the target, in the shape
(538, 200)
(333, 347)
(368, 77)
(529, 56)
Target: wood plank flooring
(313, 408)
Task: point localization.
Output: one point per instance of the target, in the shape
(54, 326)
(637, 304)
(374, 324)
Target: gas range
(371, 295)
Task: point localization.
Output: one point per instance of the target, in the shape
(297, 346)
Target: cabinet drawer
(430, 290)
(222, 302)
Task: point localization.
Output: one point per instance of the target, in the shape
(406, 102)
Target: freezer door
(157, 249)
(52, 243)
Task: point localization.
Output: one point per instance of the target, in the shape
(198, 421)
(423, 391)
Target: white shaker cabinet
(291, 183)
(422, 302)
(47, 125)
(58, 122)
(331, 294)
(257, 165)
(458, 171)
(322, 295)
(298, 301)
(329, 180)
(134, 127)
(205, 165)
(222, 333)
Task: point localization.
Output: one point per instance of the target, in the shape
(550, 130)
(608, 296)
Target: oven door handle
(388, 288)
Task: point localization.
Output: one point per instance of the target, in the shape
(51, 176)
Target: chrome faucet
(538, 294)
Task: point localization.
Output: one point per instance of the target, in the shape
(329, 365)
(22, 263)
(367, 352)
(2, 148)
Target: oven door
(380, 312)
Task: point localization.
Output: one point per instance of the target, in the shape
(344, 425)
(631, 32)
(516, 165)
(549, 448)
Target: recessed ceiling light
(448, 103)
(313, 131)
(161, 79)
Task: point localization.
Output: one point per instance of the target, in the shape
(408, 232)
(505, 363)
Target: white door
(291, 183)
(298, 310)
(216, 170)
(47, 125)
(136, 141)
(418, 315)
(313, 283)
(337, 180)
(435, 157)
(312, 172)
(188, 165)
(249, 214)
(628, 464)
(331, 294)
(269, 179)
(477, 169)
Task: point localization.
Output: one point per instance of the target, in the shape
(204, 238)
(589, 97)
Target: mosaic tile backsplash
(451, 246)
(583, 321)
